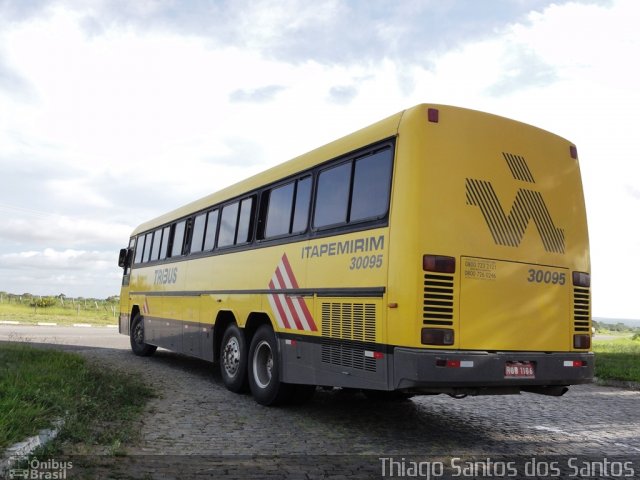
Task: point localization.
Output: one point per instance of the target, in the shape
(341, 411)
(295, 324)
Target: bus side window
(197, 238)
(279, 211)
(147, 247)
(301, 208)
(178, 239)
(155, 250)
(244, 221)
(228, 224)
(332, 196)
(371, 185)
(139, 249)
(165, 242)
(212, 228)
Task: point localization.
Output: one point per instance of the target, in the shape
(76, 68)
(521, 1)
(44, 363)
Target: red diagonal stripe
(290, 307)
(294, 284)
(287, 267)
(280, 311)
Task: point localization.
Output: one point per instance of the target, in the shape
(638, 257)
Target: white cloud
(28, 227)
(51, 272)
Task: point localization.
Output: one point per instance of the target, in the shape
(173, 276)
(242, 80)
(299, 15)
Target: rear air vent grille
(581, 309)
(438, 300)
(354, 322)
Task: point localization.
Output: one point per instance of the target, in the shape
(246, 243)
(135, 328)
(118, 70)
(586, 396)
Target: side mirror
(122, 259)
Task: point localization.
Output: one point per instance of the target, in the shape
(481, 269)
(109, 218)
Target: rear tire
(136, 338)
(264, 369)
(233, 359)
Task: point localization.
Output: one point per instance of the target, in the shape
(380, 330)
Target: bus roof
(378, 131)
(381, 130)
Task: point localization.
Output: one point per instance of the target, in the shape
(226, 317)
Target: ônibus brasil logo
(508, 228)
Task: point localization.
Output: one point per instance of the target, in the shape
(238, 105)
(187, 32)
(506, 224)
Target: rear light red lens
(438, 263)
(437, 336)
(581, 279)
(581, 341)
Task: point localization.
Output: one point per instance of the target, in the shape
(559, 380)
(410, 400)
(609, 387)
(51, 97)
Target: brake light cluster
(438, 264)
(582, 341)
(581, 279)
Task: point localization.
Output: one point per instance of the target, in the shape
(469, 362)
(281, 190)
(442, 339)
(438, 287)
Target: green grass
(617, 359)
(39, 386)
(63, 315)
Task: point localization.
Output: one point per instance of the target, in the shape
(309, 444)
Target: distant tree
(43, 302)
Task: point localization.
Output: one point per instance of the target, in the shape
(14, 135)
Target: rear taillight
(437, 336)
(582, 341)
(581, 279)
(438, 263)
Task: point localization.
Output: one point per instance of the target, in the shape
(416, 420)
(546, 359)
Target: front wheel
(138, 345)
(264, 369)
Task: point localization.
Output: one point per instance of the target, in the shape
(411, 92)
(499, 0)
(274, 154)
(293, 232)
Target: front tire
(138, 345)
(264, 369)
(233, 359)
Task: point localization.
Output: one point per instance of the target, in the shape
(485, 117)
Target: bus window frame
(256, 220)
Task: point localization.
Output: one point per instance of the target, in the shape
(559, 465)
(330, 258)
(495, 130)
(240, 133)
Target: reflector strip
(145, 307)
(376, 355)
(466, 364)
(574, 363)
(293, 343)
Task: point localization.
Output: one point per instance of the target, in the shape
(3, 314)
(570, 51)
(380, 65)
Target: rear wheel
(264, 369)
(233, 359)
(138, 345)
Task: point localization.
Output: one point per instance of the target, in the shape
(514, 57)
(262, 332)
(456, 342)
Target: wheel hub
(231, 357)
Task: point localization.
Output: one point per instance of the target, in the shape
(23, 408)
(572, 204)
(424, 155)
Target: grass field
(40, 386)
(95, 312)
(618, 359)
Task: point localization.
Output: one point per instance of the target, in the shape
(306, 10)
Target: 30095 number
(366, 261)
(546, 276)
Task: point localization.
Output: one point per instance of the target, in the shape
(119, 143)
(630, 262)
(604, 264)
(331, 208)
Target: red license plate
(519, 370)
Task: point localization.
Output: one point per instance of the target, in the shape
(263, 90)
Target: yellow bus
(440, 250)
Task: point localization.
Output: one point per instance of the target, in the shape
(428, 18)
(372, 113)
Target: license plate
(519, 370)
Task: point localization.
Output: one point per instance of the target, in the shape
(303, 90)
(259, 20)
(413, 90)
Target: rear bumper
(417, 369)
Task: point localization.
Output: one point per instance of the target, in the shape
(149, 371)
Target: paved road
(340, 434)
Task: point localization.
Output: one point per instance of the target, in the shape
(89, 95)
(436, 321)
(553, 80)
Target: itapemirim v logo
(508, 229)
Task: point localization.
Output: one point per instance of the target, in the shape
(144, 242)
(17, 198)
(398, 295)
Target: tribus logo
(508, 229)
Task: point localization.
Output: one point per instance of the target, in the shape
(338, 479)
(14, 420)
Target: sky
(114, 112)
